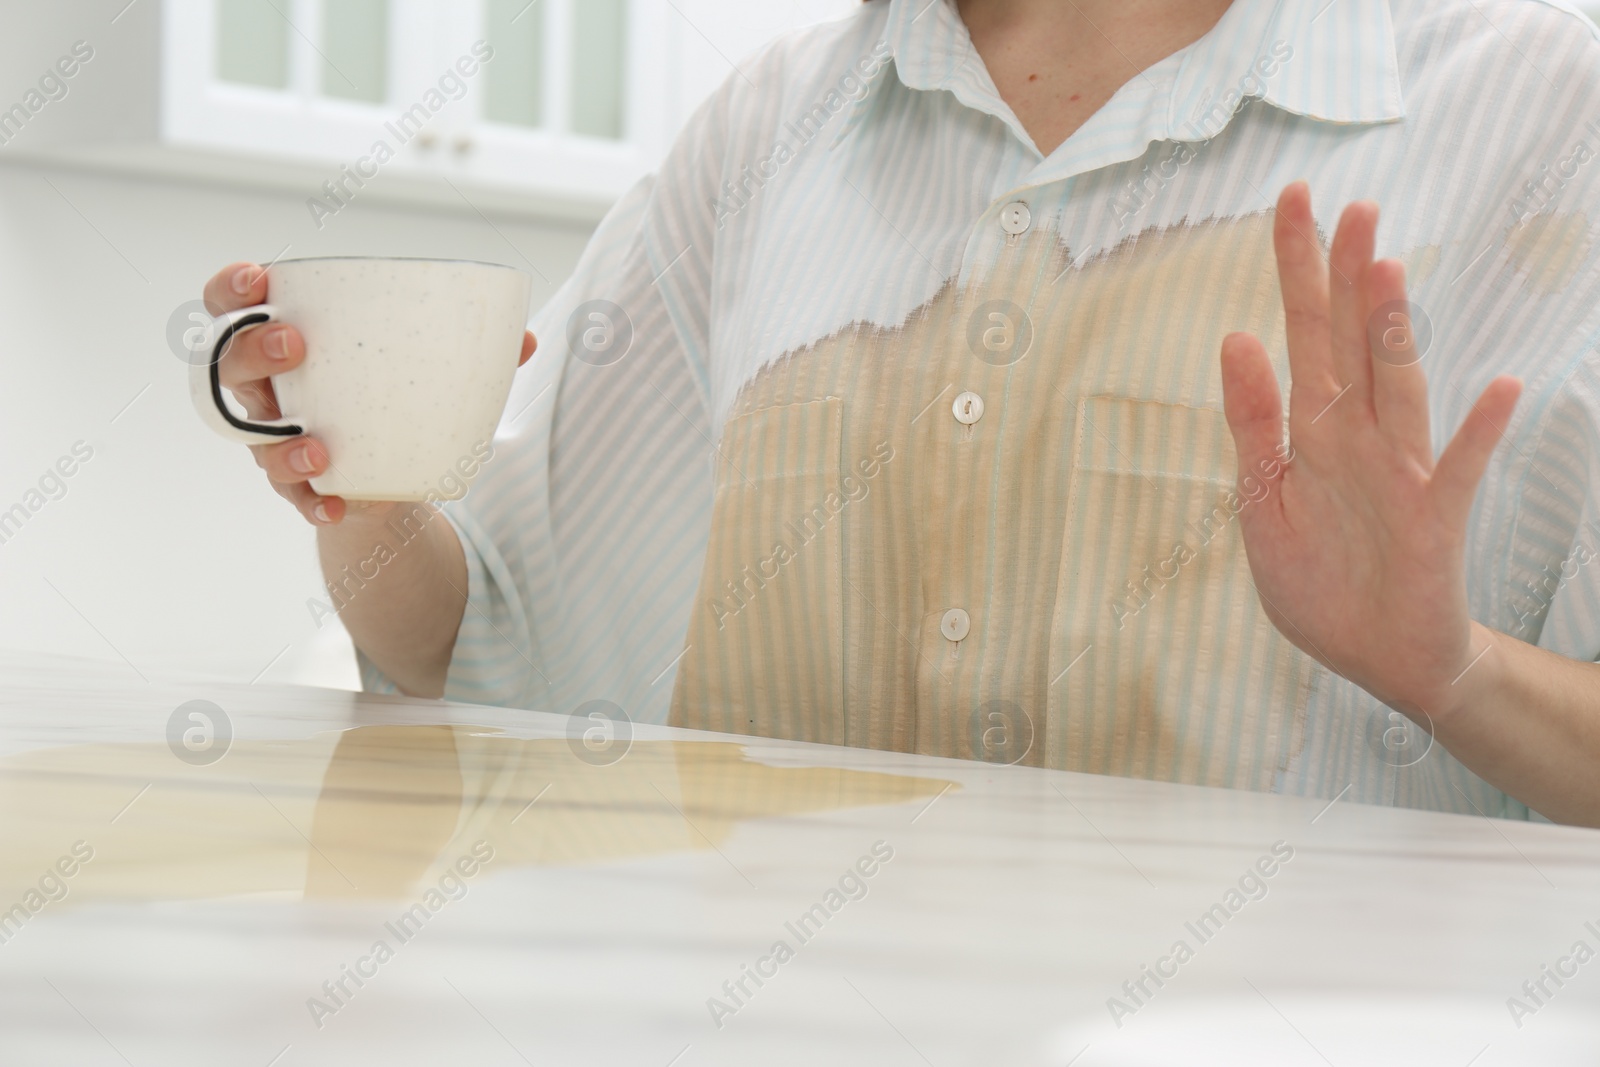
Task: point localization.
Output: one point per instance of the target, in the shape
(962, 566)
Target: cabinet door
(576, 96)
(548, 105)
(560, 97)
(301, 81)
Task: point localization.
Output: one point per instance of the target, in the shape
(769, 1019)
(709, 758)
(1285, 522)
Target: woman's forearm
(398, 578)
(1528, 722)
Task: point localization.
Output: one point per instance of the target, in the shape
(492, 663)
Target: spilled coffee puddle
(375, 811)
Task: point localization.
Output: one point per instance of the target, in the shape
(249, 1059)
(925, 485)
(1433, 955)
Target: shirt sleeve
(585, 531)
(1510, 284)
(1553, 575)
(1522, 297)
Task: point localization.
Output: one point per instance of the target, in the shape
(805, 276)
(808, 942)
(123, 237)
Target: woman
(890, 412)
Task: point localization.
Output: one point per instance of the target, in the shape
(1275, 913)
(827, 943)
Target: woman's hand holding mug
(264, 345)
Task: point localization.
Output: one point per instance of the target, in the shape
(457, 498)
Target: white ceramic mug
(408, 366)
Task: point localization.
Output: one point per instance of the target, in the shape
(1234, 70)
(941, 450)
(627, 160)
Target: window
(355, 49)
(598, 56)
(516, 82)
(252, 44)
(258, 42)
(561, 64)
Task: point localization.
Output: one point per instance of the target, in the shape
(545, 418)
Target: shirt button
(955, 625)
(1015, 218)
(968, 408)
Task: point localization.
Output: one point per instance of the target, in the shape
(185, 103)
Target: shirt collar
(1330, 60)
(929, 48)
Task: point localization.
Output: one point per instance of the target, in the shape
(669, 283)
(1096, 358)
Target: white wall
(168, 549)
(713, 33)
(168, 541)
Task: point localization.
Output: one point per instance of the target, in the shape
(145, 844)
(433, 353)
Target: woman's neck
(1056, 62)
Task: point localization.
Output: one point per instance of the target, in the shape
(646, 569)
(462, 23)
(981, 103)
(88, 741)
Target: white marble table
(223, 905)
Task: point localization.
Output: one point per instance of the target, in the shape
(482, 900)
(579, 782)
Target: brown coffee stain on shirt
(1549, 248)
(1082, 524)
(1420, 264)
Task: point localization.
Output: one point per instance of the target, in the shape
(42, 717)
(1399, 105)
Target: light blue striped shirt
(857, 181)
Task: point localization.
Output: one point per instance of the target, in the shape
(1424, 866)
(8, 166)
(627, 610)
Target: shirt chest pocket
(765, 649)
(1164, 664)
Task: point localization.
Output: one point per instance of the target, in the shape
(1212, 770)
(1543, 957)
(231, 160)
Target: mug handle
(205, 383)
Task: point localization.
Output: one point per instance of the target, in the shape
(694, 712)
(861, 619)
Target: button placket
(955, 625)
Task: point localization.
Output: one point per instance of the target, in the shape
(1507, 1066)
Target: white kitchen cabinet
(545, 108)
(551, 99)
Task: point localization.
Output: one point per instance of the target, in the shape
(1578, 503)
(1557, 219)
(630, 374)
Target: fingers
(296, 460)
(1461, 467)
(245, 369)
(1303, 278)
(317, 510)
(259, 352)
(237, 285)
(1349, 263)
(1251, 401)
(1399, 385)
(254, 355)
(290, 465)
(530, 345)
